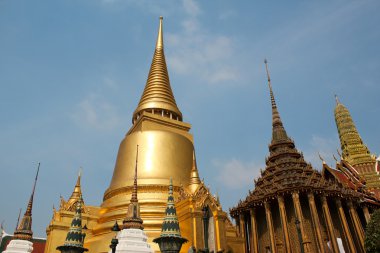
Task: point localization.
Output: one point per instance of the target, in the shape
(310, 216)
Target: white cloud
(236, 174)
(326, 147)
(191, 7)
(197, 52)
(95, 112)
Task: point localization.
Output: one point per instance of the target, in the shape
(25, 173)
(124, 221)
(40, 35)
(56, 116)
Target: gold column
(329, 224)
(284, 223)
(346, 229)
(242, 230)
(357, 224)
(297, 207)
(316, 223)
(254, 235)
(366, 214)
(268, 214)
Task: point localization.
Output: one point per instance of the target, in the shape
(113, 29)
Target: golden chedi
(166, 150)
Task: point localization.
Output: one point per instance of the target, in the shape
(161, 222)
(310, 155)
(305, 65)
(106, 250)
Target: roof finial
(273, 101)
(160, 36)
(18, 219)
(337, 99)
(321, 158)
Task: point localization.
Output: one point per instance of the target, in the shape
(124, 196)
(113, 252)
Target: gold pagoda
(166, 150)
(294, 208)
(354, 152)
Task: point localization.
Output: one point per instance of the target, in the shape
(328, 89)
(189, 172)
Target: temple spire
(133, 219)
(170, 240)
(195, 181)
(353, 149)
(24, 228)
(158, 97)
(278, 131)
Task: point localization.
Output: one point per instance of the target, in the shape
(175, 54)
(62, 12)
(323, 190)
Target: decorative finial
(273, 101)
(134, 193)
(160, 37)
(321, 158)
(18, 219)
(337, 99)
(340, 154)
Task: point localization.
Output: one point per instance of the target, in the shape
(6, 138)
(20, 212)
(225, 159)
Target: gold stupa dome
(165, 151)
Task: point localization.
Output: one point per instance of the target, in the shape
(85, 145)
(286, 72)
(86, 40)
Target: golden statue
(166, 150)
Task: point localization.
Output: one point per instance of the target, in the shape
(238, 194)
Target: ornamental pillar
(316, 223)
(299, 216)
(346, 229)
(270, 227)
(358, 227)
(284, 223)
(242, 231)
(366, 214)
(254, 236)
(329, 224)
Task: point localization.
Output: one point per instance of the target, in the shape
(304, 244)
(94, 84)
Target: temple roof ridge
(158, 96)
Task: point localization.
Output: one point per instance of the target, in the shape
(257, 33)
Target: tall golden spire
(24, 229)
(158, 96)
(133, 219)
(278, 131)
(353, 149)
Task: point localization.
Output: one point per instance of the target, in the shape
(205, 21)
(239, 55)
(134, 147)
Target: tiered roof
(286, 170)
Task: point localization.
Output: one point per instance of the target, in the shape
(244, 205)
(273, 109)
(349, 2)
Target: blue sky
(72, 72)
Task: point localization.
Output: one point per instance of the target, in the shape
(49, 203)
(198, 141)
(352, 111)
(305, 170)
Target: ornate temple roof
(158, 94)
(286, 170)
(133, 219)
(76, 196)
(24, 228)
(353, 149)
(75, 236)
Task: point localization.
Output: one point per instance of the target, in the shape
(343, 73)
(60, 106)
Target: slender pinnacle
(134, 193)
